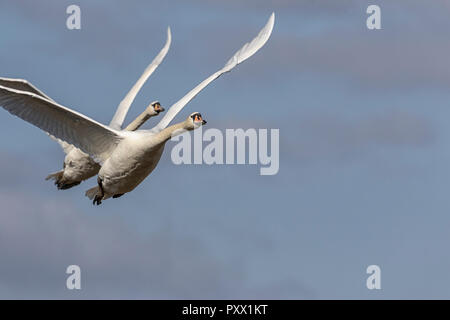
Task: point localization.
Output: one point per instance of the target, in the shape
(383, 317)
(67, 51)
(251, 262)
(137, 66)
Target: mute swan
(132, 162)
(127, 157)
(79, 166)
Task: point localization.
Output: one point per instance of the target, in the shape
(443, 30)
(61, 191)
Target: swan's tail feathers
(92, 192)
(60, 182)
(55, 176)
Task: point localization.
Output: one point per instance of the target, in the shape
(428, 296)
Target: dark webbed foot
(98, 197)
(97, 200)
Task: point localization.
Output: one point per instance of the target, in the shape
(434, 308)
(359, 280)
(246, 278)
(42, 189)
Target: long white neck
(173, 130)
(139, 121)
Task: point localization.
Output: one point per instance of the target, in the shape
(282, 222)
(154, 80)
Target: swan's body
(127, 157)
(135, 158)
(78, 165)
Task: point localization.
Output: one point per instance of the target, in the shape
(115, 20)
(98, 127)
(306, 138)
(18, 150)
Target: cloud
(334, 137)
(14, 169)
(411, 50)
(39, 238)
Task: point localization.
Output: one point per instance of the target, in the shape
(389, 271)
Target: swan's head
(155, 108)
(195, 121)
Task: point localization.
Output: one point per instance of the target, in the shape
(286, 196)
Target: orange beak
(158, 108)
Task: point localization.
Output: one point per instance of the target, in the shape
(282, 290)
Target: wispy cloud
(40, 238)
(335, 137)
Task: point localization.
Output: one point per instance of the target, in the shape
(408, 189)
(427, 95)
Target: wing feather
(124, 106)
(240, 56)
(22, 85)
(72, 127)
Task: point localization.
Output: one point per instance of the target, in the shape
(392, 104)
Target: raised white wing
(22, 85)
(90, 136)
(244, 53)
(124, 106)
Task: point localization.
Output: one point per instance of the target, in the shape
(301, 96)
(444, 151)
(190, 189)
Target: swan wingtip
(272, 20)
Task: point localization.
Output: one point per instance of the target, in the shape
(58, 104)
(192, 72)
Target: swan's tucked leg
(99, 196)
(118, 195)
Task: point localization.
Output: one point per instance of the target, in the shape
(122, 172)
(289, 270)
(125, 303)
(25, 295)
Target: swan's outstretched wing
(122, 110)
(244, 53)
(22, 85)
(92, 137)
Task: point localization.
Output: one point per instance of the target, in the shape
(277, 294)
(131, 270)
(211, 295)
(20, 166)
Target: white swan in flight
(127, 157)
(79, 166)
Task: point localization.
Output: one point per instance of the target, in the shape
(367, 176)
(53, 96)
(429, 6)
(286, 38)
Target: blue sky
(364, 135)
